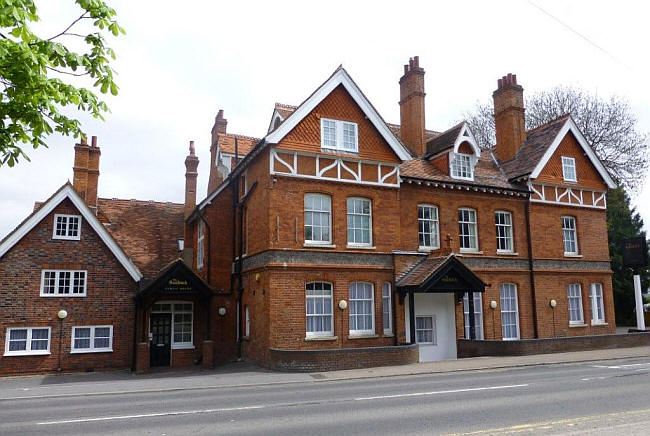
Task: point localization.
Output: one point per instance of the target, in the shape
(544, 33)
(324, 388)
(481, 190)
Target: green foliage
(33, 69)
(623, 223)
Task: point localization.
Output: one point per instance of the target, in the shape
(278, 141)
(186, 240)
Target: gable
(570, 126)
(587, 174)
(339, 105)
(340, 77)
(45, 210)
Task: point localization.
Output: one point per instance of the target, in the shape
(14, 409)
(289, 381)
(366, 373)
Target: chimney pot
(83, 140)
(416, 61)
(192, 148)
(93, 141)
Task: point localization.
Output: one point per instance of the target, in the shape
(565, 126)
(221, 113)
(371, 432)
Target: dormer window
(339, 135)
(462, 166)
(569, 169)
(67, 227)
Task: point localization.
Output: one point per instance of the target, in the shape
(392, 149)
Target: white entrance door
(435, 326)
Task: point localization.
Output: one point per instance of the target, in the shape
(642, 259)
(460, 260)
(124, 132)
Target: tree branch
(70, 26)
(68, 73)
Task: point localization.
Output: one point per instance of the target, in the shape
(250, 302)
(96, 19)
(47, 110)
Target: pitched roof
(486, 173)
(148, 231)
(339, 77)
(285, 109)
(428, 275)
(538, 140)
(67, 191)
(396, 128)
(419, 271)
(244, 143)
(444, 140)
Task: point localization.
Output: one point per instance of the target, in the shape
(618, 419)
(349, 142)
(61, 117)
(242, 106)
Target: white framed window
(247, 325)
(182, 321)
(478, 315)
(319, 310)
(63, 283)
(574, 303)
(569, 169)
(200, 244)
(67, 227)
(425, 329)
(318, 219)
(503, 223)
(509, 311)
(386, 307)
(26, 341)
(467, 229)
(597, 306)
(569, 235)
(92, 339)
(461, 167)
(339, 135)
(226, 162)
(428, 229)
(362, 308)
(359, 221)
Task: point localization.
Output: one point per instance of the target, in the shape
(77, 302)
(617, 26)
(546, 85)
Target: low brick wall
(469, 348)
(342, 358)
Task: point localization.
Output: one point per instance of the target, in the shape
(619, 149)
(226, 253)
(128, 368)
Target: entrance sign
(634, 252)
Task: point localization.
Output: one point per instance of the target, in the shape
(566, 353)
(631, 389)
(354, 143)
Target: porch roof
(440, 274)
(175, 280)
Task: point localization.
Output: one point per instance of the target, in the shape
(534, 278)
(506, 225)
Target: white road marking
(149, 415)
(233, 409)
(453, 391)
(631, 365)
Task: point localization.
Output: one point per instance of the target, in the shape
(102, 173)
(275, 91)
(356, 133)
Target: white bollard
(640, 321)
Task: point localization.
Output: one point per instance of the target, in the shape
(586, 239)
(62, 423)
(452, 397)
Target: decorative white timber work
(567, 196)
(333, 168)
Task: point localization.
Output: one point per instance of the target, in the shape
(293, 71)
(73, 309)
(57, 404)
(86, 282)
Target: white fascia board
(276, 115)
(216, 192)
(338, 78)
(68, 192)
(570, 126)
(466, 135)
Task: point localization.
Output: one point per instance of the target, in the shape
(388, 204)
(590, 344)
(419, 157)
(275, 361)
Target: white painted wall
(442, 307)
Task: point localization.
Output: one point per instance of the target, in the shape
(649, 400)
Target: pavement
(245, 374)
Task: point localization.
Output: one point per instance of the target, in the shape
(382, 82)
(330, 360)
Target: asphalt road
(610, 397)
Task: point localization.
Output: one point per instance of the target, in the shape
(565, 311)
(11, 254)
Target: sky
(178, 65)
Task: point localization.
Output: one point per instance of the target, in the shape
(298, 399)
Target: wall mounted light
(553, 303)
(221, 311)
(343, 304)
(62, 314)
(493, 304)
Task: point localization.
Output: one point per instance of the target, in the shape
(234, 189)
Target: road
(608, 397)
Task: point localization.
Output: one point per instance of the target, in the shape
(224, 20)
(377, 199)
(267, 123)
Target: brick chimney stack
(411, 90)
(86, 171)
(509, 118)
(219, 128)
(191, 165)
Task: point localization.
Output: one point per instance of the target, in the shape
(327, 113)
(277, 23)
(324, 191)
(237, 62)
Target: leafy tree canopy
(623, 223)
(36, 74)
(608, 125)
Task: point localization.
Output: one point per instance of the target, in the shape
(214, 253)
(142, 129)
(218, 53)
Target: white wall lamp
(343, 304)
(221, 311)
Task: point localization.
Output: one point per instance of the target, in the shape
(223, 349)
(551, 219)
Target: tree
(36, 74)
(608, 125)
(623, 223)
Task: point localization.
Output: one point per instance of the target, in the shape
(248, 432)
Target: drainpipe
(135, 334)
(207, 226)
(530, 268)
(238, 212)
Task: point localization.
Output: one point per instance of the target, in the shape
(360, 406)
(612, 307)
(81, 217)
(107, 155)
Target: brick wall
(109, 300)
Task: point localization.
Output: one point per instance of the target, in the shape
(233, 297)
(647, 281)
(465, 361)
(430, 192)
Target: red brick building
(337, 240)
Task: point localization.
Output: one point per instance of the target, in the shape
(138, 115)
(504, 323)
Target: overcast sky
(177, 65)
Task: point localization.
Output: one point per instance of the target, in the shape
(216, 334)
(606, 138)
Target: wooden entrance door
(161, 339)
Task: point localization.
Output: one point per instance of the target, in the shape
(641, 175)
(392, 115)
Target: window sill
(507, 253)
(245, 338)
(26, 353)
(388, 335)
(470, 251)
(578, 325)
(360, 247)
(91, 351)
(62, 295)
(321, 338)
(363, 336)
(182, 347)
(598, 323)
(427, 249)
(66, 238)
(316, 245)
(572, 255)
